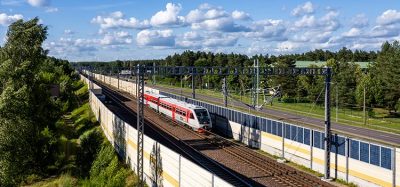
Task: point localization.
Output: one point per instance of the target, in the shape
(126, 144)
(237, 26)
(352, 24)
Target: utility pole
(327, 124)
(154, 75)
(337, 101)
(140, 121)
(364, 109)
(258, 80)
(225, 92)
(193, 87)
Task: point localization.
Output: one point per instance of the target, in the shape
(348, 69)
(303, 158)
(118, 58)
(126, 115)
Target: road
(353, 131)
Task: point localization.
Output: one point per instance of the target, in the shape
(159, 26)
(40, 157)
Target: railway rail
(198, 157)
(277, 174)
(264, 170)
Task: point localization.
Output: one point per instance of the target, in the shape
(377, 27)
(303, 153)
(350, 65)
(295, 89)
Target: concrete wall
(343, 167)
(173, 169)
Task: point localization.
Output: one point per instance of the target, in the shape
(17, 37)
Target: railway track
(280, 174)
(271, 172)
(207, 163)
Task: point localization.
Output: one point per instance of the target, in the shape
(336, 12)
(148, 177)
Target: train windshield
(202, 116)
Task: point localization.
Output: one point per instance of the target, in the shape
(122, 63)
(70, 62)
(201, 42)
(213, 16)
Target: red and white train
(196, 117)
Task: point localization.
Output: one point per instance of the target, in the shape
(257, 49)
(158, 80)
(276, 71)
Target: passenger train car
(196, 117)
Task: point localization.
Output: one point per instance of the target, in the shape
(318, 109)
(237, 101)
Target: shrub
(90, 145)
(106, 170)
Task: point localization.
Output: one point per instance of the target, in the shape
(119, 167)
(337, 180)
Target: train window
(202, 116)
(191, 116)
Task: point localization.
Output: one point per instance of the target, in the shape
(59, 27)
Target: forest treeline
(380, 79)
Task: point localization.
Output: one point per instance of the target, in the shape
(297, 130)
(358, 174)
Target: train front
(203, 118)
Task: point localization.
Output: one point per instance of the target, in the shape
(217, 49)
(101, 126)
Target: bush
(106, 170)
(287, 99)
(90, 145)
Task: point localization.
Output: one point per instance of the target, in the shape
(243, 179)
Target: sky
(105, 30)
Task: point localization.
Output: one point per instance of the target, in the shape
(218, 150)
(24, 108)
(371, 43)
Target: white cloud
(205, 6)
(155, 38)
(51, 9)
(224, 24)
(116, 38)
(168, 17)
(67, 46)
(12, 2)
(116, 20)
(68, 32)
(195, 40)
(268, 29)
(353, 32)
(385, 31)
(240, 15)
(389, 17)
(214, 19)
(5, 19)
(312, 36)
(328, 22)
(306, 8)
(359, 21)
(203, 14)
(287, 46)
(259, 48)
(306, 21)
(86, 47)
(39, 3)
(365, 46)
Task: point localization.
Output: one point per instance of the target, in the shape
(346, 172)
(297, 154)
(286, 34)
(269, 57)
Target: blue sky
(109, 30)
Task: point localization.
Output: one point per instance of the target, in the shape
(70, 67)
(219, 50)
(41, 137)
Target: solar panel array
(360, 150)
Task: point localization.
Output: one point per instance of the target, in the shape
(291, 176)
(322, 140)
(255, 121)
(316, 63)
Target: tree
(288, 83)
(310, 86)
(24, 103)
(386, 70)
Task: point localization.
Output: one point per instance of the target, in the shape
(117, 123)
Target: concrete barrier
(161, 165)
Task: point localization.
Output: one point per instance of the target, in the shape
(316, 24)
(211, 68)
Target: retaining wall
(161, 165)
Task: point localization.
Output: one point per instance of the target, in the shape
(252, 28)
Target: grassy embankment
(85, 157)
(381, 119)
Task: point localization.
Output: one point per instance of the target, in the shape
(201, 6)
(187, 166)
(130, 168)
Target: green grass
(64, 180)
(381, 120)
